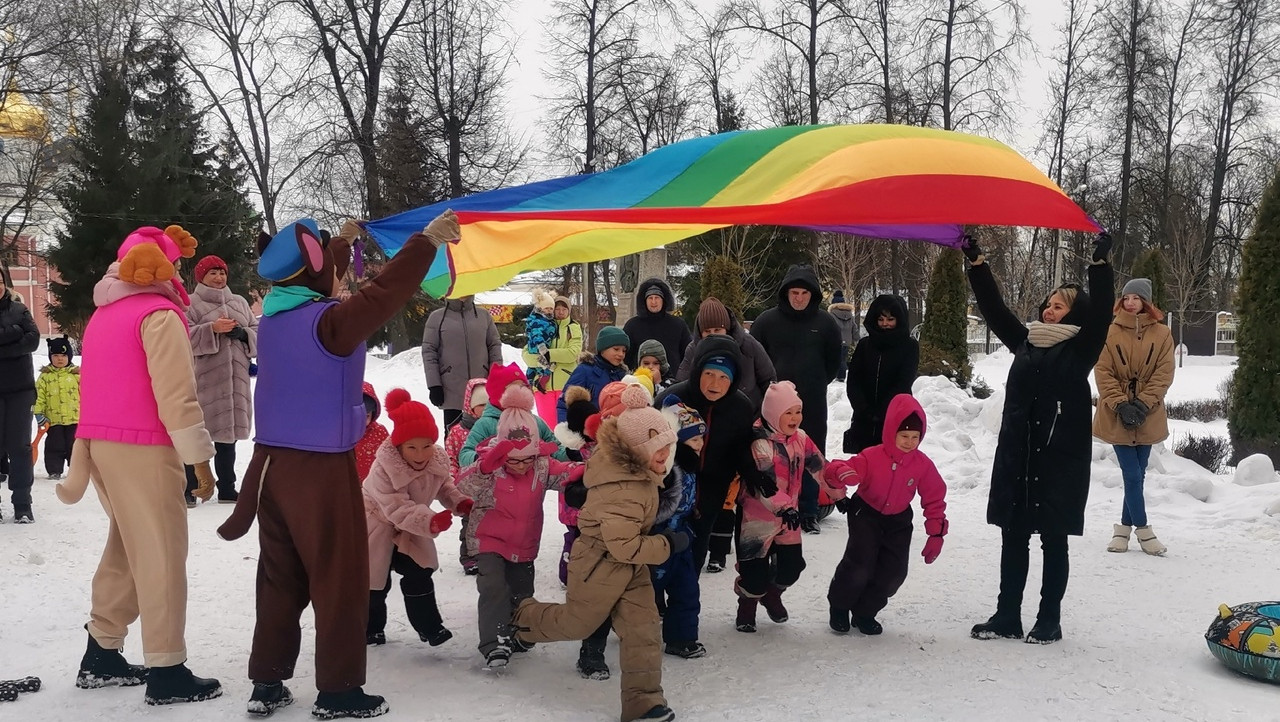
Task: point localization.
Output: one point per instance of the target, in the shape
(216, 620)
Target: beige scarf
(1045, 335)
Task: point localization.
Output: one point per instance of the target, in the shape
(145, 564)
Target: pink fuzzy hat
(517, 422)
(781, 396)
(642, 427)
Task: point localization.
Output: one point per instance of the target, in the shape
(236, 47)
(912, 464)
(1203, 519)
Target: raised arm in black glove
(1101, 247)
(969, 247)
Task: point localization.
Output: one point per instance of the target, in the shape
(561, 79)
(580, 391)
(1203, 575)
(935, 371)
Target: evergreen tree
(232, 227)
(722, 279)
(1252, 416)
(731, 115)
(1151, 265)
(944, 344)
(97, 198)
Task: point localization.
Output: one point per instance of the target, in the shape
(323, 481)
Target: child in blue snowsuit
(675, 581)
(539, 332)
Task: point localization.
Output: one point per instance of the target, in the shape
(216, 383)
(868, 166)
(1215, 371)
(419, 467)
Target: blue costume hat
(282, 259)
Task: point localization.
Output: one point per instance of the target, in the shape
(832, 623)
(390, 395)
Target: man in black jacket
(654, 320)
(804, 342)
(19, 338)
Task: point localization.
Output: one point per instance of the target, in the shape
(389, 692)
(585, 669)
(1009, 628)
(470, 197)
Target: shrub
(935, 363)
(1208, 451)
(980, 388)
(1202, 410)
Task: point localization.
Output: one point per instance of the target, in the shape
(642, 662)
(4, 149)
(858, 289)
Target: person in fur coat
(301, 484)
(888, 477)
(608, 571)
(409, 473)
(224, 341)
(140, 421)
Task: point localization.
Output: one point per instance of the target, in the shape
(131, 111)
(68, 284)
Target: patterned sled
(1246, 638)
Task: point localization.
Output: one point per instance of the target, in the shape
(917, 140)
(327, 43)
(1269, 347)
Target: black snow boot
(353, 703)
(746, 620)
(268, 697)
(591, 664)
(868, 625)
(176, 684)
(840, 620)
(997, 627)
(772, 603)
(22, 514)
(685, 650)
(101, 667)
(1044, 632)
(436, 637)
(659, 713)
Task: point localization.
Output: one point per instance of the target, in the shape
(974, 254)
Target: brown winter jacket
(1136, 363)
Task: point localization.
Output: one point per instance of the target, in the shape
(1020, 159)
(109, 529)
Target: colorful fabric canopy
(883, 181)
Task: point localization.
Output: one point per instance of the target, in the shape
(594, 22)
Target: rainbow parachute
(883, 181)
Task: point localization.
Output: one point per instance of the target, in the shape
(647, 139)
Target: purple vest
(306, 398)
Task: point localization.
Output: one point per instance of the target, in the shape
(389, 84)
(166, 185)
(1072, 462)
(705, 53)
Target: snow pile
(1255, 470)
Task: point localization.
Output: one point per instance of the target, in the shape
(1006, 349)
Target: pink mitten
(441, 521)
(932, 548)
(548, 448)
(494, 456)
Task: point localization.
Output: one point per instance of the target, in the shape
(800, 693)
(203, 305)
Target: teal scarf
(287, 298)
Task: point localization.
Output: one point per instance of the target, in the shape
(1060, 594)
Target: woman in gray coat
(224, 338)
(459, 343)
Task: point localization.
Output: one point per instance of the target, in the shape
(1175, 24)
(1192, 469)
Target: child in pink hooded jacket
(504, 527)
(888, 477)
(409, 472)
(769, 553)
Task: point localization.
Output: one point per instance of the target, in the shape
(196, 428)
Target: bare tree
(464, 63)
(655, 106)
(1174, 81)
(714, 57)
(971, 51)
(851, 263)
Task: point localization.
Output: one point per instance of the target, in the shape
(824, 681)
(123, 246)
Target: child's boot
(424, 616)
(746, 621)
(591, 664)
(176, 684)
(102, 667)
(659, 713)
(840, 620)
(267, 697)
(772, 602)
(351, 703)
(1148, 541)
(868, 626)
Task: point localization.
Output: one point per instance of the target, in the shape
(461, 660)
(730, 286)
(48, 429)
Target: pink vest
(116, 400)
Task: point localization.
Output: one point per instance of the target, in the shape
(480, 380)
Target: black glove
(790, 518)
(842, 505)
(238, 334)
(575, 495)
(969, 247)
(436, 395)
(1101, 246)
(678, 540)
(1132, 414)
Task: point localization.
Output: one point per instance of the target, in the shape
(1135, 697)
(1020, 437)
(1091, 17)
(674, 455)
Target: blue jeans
(1133, 466)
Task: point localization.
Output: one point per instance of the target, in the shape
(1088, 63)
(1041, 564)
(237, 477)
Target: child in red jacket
(888, 477)
(374, 433)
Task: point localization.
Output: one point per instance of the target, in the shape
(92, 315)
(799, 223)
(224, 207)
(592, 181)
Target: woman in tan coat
(1133, 375)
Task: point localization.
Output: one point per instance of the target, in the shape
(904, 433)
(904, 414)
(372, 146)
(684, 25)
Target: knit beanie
(564, 301)
(640, 426)
(500, 377)
(913, 422)
(206, 264)
(479, 396)
(713, 314)
(1141, 287)
(412, 419)
(684, 419)
(837, 297)
(655, 290)
(642, 378)
(610, 400)
(611, 336)
(653, 347)
(61, 345)
(723, 364)
(517, 422)
(780, 396)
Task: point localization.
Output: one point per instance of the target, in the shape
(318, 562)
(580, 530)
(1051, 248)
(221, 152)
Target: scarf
(1046, 335)
(287, 298)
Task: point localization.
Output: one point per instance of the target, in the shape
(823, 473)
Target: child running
(675, 582)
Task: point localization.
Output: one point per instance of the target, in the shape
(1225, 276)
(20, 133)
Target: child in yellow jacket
(58, 404)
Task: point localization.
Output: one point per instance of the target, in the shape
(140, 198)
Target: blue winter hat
(282, 258)
(723, 364)
(685, 419)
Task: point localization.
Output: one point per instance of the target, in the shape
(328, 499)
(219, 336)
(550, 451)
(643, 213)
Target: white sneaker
(1148, 541)
(1120, 538)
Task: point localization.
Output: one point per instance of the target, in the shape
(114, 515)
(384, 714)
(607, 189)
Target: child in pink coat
(888, 477)
(769, 553)
(504, 527)
(409, 472)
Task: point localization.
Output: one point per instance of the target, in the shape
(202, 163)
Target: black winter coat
(1040, 480)
(884, 364)
(671, 331)
(730, 433)
(19, 338)
(756, 370)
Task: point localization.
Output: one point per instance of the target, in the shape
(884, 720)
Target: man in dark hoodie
(712, 391)
(804, 342)
(884, 364)
(654, 320)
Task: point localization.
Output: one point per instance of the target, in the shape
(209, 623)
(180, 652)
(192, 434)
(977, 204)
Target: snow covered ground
(1133, 624)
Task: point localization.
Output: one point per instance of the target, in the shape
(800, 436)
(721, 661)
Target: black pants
(815, 425)
(451, 417)
(57, 447)
(1015, 559)
(224, 468)
(419, 597)
(780, 568)
(874, 565)
(15, 442)
(722, 534)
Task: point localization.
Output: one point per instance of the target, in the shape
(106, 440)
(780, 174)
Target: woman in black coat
(884, 364)
(1040, 480)
(19, 338)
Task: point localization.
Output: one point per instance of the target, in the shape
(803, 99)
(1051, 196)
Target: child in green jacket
(58, 404)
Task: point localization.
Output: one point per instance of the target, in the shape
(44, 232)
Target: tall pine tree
(944, 340)
(1253, 418)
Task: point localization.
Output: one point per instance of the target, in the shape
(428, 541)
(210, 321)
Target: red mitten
(932, 548)
(494, 456)
(548, 448)
(464, 507)
(441, 521)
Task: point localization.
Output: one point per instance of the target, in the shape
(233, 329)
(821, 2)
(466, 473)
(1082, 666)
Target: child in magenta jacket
(508, 482)
(409, 472)
(888, 477)
(769, 553)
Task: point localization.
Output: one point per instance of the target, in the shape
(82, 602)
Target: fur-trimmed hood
(402, 475)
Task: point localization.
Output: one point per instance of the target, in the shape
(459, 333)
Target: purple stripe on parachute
(941, 233)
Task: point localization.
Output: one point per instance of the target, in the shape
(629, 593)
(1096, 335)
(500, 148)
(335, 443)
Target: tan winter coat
(222, 363)
(1136, 363)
